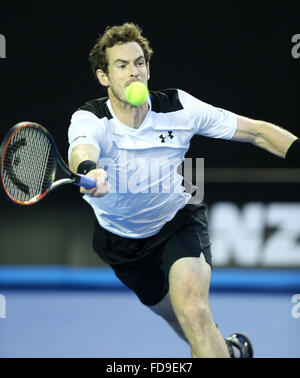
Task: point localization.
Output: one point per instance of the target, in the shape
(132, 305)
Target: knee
(195, 314)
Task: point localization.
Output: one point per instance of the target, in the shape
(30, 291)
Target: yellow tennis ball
(136, 93)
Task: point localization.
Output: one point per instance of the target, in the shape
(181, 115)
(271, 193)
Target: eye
(121, 66)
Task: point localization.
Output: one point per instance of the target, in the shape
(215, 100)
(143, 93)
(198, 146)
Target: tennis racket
(29, 159)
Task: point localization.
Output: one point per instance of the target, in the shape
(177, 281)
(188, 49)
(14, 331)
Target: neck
(129, 115)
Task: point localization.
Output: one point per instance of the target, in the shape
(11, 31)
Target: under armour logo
(163, 138)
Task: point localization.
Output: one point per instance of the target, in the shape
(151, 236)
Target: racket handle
(87, 182)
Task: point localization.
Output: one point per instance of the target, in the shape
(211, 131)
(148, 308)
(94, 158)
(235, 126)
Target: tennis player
(154, 239)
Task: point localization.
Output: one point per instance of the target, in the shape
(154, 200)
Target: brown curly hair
(128, 32)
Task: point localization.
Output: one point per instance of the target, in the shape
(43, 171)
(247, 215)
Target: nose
(133, 70)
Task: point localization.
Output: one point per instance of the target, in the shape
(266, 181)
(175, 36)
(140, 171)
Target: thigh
(192, 241)
(189, 242)
(145, 278)
(186, 275)
(189, 281)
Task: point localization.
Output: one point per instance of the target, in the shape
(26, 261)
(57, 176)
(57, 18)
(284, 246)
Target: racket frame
(73, 177)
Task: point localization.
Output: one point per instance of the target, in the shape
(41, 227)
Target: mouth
(132, 81)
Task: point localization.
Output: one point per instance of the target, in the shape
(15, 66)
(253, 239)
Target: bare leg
(191, 303)
(165, 310)
(189, 280)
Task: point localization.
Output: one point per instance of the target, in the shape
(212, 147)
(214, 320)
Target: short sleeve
(85, 128)
(208, 120)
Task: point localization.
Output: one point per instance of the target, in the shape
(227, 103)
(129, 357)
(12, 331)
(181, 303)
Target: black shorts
(143, 265)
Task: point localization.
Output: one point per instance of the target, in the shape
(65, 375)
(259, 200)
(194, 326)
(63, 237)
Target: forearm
(86, 154)
(82, 153)
(273, 138)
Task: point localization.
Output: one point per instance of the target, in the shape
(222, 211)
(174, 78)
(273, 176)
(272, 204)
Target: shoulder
(165, 101)
(91, 118)
(98, 107)
(171, 100)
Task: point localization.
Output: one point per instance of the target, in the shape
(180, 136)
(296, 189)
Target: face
(126, 63)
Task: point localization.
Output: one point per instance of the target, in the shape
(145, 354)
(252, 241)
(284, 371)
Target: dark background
(235, 56)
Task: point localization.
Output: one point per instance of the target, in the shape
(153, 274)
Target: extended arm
(89, 153)
(81, 153)
(265, 135)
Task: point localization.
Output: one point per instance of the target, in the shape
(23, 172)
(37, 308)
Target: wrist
(86, 166)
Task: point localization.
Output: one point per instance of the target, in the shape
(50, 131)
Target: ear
(102, 77)
(148, 71)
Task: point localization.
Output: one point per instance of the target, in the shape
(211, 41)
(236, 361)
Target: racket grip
(87, 182)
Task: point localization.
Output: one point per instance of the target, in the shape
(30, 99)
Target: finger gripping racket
(29, 159)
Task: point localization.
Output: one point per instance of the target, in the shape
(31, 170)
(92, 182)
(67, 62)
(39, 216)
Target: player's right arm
(82, 153)
(86, 137)
(89, 153)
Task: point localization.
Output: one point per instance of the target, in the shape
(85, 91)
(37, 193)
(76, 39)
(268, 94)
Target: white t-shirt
(141, 164)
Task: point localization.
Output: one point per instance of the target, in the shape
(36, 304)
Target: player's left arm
(268, 136)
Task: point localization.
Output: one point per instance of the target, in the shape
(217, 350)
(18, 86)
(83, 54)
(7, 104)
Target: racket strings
(38, 153)
(28, 167)
(22, 167)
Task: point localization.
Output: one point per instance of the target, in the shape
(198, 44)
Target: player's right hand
(102, 185)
